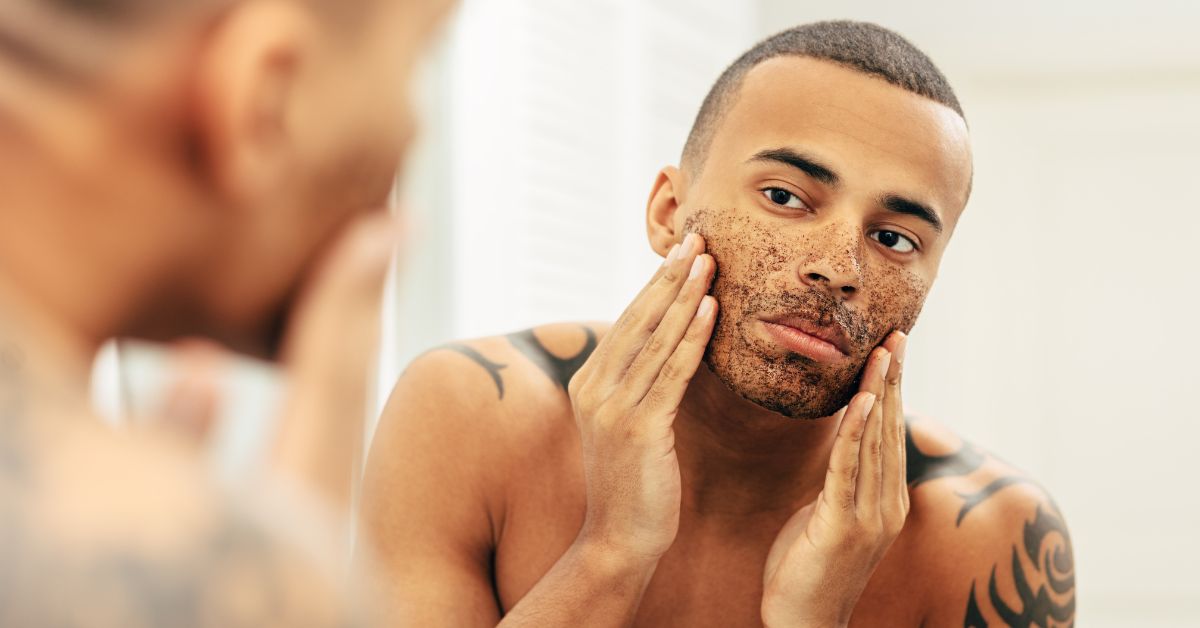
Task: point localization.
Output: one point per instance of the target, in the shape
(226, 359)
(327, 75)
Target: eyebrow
(799, 161)
(901, 205)
(813, 168)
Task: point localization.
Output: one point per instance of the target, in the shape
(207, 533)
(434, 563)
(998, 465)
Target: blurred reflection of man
(202, 168)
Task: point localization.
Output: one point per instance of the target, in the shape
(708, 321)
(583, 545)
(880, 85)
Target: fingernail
(868, 404)
(697, 267)
(706, 307)
(673, 254)
(689, 243)
(900, 350)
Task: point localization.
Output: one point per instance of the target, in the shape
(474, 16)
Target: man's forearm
(588, 586)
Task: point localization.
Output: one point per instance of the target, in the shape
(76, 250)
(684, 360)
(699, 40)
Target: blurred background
(1061, 334)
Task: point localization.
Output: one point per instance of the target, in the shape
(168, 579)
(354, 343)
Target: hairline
(695, 157)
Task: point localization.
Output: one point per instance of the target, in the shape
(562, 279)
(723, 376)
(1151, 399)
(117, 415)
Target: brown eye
(780, 196)
(894, 241)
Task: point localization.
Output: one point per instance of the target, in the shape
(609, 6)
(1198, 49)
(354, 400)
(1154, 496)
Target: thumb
(190, 405)
(787, 537)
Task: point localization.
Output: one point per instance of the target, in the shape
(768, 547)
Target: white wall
(1062, 333)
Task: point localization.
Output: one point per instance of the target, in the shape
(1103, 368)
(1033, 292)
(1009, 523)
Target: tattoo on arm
(1044, 556)
(924, 467)
(493, 368)
(559, 370)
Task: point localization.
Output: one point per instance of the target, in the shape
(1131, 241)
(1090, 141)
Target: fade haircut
(861, 46)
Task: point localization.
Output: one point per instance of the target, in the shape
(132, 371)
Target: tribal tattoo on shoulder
(560, 370)
(923, 467)
(1043, 558)
(1043, 562)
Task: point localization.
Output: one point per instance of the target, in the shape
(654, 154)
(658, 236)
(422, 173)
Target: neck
(55, 353)
(738, 459)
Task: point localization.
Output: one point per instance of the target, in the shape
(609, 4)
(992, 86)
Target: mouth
(822, 343)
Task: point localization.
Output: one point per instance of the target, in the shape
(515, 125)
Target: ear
(663, 222)
(243, 92)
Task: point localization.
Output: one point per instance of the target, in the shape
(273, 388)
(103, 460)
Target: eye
(780, 196)
(894, 241)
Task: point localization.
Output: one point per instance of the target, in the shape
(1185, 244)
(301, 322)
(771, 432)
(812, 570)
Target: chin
(790, 385)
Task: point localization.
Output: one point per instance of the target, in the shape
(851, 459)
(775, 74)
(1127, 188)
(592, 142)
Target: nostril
(816, 277)
(849, 290)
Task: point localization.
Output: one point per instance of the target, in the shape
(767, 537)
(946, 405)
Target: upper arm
(1027, 575)
(1009, 562)
(425, 497)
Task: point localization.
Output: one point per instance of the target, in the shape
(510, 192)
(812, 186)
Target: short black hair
(862, 46)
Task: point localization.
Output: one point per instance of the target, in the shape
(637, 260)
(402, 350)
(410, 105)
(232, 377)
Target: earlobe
(662, 210)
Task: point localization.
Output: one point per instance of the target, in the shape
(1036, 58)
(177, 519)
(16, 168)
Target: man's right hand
(625, 399)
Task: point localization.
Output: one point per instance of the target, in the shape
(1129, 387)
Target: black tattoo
(493, 368)
(1047, 544)
(559, 370)
(971, 500)
(923, 467)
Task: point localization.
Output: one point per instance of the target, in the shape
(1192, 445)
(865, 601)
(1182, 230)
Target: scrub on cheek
(759, 269)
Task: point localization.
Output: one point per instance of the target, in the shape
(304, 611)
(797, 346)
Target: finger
(189, 407)
(648, 364)
(673, 378)
(598, 361)
(842, 474)
(870, 477)
(330, 350)
(894, 473)
(633, 329)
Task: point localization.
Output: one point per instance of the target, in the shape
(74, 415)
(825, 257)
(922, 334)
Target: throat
(739, 459)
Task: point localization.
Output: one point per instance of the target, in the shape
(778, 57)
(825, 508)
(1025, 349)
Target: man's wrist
(776, 614)
(609, 563)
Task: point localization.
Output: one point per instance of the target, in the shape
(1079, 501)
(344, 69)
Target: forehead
(878, 137)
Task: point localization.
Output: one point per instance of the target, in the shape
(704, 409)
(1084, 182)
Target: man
(591, 475)
(208, 168)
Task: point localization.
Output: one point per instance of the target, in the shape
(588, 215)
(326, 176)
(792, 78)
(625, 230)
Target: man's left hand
(825, 554)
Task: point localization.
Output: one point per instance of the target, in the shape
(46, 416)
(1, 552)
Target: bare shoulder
(110, 529)
(468, 419)
(500, 385)
(471, 428)
(1000, 548)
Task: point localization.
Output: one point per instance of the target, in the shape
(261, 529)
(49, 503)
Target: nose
(834, 262)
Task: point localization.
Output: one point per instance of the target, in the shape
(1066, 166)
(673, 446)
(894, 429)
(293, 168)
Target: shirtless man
(190, 168)
(593, 475)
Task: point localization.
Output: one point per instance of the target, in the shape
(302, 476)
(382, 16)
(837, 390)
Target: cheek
(896, 296)
(745, 251)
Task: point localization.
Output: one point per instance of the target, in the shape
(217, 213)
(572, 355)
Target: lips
(824, 343)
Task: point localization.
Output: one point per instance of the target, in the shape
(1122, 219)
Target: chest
(712, 576)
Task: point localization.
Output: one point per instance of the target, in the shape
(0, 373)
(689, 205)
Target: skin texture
(493, 494)
(752, 257)
(216, 171)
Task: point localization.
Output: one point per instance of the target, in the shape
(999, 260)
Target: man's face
(353, 123)
(826, 198)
